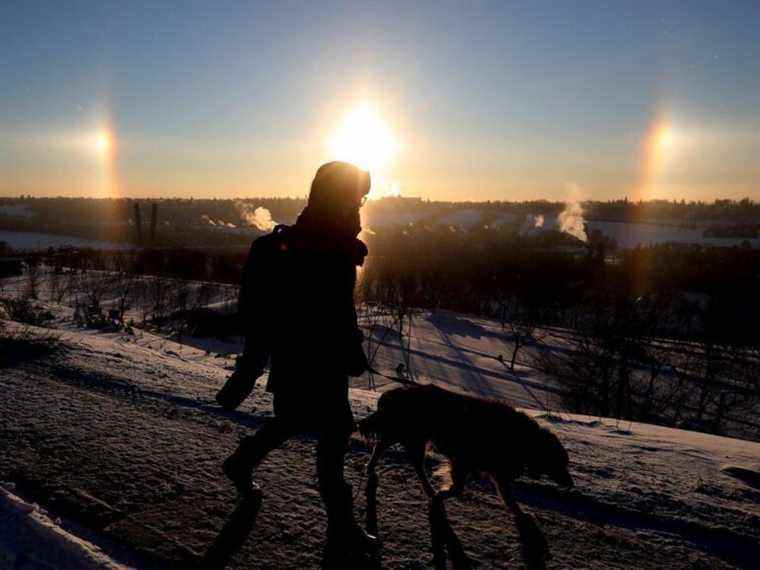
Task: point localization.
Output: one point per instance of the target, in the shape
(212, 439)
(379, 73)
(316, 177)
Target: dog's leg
(533, 544)
(416, 452)
(441, 531)
(371, 491)
(438, 524)
(442, 535)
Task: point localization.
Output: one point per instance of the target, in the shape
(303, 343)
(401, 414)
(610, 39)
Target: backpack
(252, 307)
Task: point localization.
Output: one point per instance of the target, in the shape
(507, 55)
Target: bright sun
(364, 140)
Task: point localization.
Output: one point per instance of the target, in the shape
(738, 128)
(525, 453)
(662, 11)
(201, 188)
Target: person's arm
(251, 306)
(356, 358)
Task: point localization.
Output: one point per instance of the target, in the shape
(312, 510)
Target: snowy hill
(118, 440)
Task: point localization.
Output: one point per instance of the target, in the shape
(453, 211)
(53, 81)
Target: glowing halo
(657, 148)
(103, 144)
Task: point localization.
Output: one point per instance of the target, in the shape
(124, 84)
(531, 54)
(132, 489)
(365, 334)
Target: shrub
(19, 344)
(23, 310)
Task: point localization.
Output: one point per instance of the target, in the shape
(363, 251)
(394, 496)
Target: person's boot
(241, 474)
(362, 541)
(349, 546)
(345, 538)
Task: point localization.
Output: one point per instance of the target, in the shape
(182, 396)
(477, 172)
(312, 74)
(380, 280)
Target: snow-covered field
(25, 241)
(379, 219)
(467, 218)
(117, 437)
(17, 211)
(629, 235)
(626, 234)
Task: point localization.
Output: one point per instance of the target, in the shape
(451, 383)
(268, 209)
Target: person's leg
(331, 450)
(331, 417)
(344, 535)
(254, 448)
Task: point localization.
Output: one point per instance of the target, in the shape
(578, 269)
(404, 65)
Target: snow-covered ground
(461, 353)
(119, 434)
(447, 349)
(31, 538)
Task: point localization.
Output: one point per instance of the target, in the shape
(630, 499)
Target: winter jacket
(297, 306)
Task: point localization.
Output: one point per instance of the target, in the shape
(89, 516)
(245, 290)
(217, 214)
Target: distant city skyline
(442, 100)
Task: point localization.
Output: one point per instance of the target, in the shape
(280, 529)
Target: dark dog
(477, 436)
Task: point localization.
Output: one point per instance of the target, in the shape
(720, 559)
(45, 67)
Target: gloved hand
(252, 361)
(357, 363)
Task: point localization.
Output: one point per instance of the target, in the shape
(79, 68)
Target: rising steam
(532, 225)
(260, 218)
(571, 220)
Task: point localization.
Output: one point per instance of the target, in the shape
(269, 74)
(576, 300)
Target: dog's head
(550, 458)
(394, 417)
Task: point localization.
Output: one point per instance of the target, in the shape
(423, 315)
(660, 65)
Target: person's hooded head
(337, 193)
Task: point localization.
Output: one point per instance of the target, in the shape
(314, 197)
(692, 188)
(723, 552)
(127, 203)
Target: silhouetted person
(299, 308)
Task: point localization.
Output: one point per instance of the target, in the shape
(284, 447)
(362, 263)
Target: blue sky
(487, 100)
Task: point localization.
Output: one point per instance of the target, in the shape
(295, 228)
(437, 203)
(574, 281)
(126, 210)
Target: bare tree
(524, 330)
(32, 277)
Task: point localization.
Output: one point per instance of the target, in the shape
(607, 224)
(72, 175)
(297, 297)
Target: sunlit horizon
(652, 103)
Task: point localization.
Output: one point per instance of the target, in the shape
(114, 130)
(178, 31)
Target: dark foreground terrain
(121, 440)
